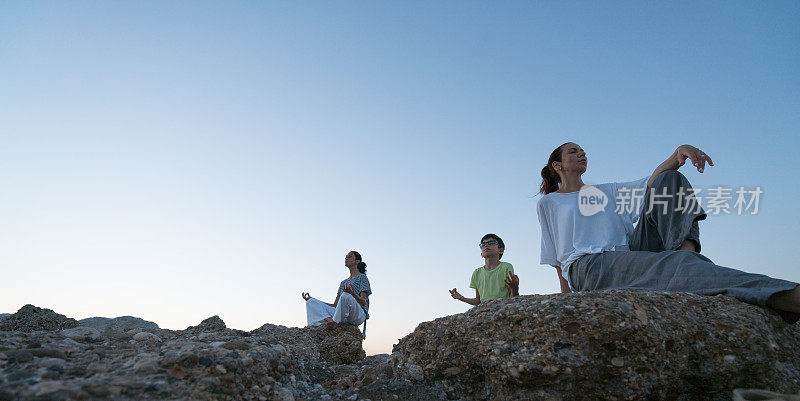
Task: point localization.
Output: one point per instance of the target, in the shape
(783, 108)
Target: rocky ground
(48, 356)
(618, 345)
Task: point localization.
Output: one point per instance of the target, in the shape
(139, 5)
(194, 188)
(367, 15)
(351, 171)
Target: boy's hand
(454, 293)
(306, 296)
(512, 281)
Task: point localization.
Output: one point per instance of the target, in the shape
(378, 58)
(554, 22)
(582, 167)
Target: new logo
(591, 200)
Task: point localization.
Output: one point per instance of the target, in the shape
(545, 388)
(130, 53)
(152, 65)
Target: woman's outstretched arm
(306, 296)
(335, 302)
(678, 158)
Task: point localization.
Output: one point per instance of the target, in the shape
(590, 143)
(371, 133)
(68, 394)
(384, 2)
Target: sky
(179, 160)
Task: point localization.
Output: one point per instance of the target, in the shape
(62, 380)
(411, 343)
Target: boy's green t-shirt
(492, 283)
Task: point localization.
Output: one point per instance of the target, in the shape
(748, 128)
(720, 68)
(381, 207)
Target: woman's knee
(689, 257)
(312, 303)
(669, 176)
(346, 296)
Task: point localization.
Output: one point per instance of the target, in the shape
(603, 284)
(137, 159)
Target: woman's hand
(306, 296)
(348, 288)
(512, 281)
(454, 293)
(678, 159)
(697, 157)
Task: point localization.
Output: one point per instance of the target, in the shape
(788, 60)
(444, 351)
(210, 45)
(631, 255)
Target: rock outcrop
(211, 325)
(46, 356)
(118, 323)
(30, 318)
(313, 343)
(624, 345)
(621, 345)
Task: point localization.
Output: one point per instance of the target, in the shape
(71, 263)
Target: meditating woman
(588, 234)
(352, 300)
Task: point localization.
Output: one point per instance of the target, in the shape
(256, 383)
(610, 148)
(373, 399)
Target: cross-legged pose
(352, 300)
(495, 279)
(588, 234)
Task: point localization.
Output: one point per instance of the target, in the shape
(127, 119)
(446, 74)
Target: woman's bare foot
(788, 300)
(329, 323)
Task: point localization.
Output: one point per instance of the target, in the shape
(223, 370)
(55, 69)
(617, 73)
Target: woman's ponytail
(549, 183)
(550, 178)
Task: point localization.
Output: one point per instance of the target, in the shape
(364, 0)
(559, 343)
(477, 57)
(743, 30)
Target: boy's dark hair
(500, 243)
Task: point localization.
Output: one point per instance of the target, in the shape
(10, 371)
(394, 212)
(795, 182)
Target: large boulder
(83, 334)
(211, 325)
(340, 345)
(30, 318)
(205, 362)
(118, 323)
(625, 345)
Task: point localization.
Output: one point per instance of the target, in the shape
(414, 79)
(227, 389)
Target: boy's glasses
(487, 243)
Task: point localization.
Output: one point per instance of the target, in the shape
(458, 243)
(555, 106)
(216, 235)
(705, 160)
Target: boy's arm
(564, 285)
(472, 301)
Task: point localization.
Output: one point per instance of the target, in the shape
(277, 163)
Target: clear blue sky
(183, 159)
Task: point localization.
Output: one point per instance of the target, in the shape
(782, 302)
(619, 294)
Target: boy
(495, 279)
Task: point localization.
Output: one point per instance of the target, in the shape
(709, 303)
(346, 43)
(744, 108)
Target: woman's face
(350, 260)
(573, 160)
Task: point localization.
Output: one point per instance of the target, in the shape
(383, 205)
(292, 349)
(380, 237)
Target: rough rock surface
(210, 325)
(624, 345)
(620, 345)
(203, 362)
(30, 318)
(118, 323)
(339, 347)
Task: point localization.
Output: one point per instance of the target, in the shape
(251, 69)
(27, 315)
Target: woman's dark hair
(550, 177)
(500, 243)
(362, 267)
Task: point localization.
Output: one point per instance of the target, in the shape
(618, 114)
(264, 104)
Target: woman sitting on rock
(352, 300)
(589, 237)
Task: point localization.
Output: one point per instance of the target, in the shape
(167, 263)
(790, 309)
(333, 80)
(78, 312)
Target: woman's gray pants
(654, 264)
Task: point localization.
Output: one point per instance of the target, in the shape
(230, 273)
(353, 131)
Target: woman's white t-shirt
(596, 219)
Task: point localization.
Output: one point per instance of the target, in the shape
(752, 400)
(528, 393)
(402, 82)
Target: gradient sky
(177, 160)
